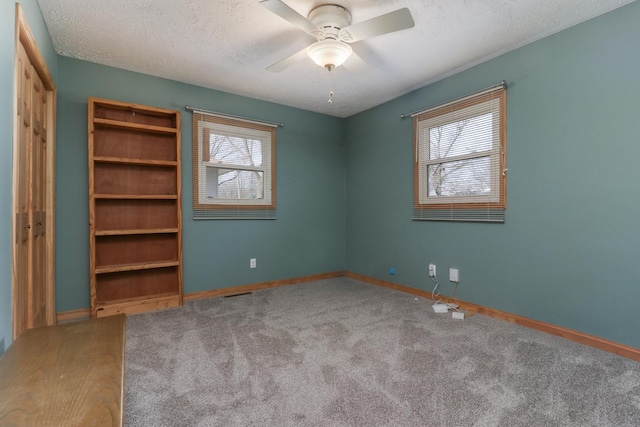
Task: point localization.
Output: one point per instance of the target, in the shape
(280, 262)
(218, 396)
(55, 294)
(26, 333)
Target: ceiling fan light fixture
(329, 53)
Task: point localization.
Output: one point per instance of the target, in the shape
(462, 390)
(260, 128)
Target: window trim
(245, 128)
(446, 203)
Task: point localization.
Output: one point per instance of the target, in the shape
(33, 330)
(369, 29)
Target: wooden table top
(65, 375)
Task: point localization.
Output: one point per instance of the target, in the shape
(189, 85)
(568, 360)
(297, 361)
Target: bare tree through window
(238, 176)
(457, 174)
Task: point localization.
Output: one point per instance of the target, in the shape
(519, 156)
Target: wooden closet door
(31, 213)
(37, 298)
(22, 173)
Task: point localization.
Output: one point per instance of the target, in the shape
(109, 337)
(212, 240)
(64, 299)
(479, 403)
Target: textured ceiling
(227, 44)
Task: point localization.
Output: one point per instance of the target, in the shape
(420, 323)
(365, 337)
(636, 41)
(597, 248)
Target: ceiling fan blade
(355, 64)
(288, 61)
(393, 21)
(288, 14)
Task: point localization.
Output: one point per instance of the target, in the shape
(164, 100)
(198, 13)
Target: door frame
(24, 36)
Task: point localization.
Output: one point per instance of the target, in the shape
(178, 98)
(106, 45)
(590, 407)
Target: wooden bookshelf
(134, 208)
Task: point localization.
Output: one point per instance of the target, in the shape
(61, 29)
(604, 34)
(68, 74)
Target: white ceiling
(227, 44)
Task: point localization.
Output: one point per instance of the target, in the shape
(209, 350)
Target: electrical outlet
(453, 275)
(432, 270)
(252, 263)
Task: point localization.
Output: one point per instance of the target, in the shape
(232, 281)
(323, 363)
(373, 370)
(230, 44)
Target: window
(459, 169)
(234, 168)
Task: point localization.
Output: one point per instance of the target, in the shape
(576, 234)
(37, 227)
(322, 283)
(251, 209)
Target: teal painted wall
(307, 238)
(7, 46)
(568, 252)
(7, 28)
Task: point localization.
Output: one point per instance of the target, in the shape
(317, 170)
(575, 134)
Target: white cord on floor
(436, 294)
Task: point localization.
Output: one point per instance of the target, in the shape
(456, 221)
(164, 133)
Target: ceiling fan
(330, 25)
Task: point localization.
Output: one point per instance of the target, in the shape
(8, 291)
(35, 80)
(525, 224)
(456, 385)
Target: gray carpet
(344, 353)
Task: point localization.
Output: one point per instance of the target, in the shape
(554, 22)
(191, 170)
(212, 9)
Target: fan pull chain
(330, 100)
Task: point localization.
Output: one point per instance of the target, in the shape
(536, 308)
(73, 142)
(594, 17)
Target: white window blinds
(459, 166)
(233, 168)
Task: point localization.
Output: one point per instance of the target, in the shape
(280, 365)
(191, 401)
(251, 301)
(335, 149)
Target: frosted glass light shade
(329, 53)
